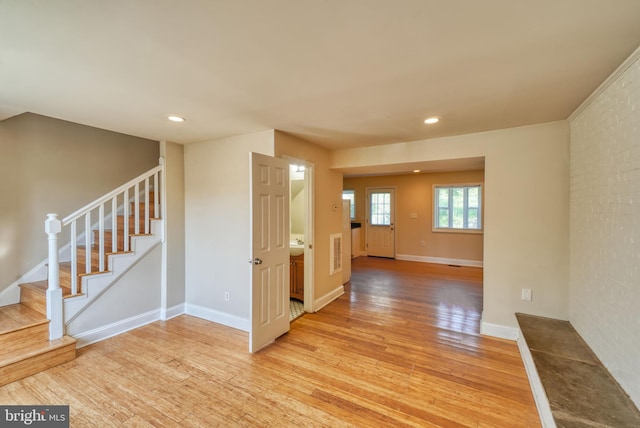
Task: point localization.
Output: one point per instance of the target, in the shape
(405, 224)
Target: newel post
(53, 227)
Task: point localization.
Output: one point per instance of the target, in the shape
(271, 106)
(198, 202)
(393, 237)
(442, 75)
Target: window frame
(436, 208)
(352, 202)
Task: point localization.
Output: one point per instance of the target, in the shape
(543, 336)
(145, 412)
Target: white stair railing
(103, 211)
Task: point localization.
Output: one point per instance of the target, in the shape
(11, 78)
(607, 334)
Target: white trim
(635, 56)
(328, 298)
(172, 312)
(116, 328)
(439, 260)
(435, 208)
(539, 395)
(218, 317)
(309, 227)
(499, 331)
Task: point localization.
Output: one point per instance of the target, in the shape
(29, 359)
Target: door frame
(368, 215)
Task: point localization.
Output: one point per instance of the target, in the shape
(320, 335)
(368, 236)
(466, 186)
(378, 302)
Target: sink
(296, 249)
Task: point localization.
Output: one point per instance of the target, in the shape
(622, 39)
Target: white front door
(380, 223)
(270, 250)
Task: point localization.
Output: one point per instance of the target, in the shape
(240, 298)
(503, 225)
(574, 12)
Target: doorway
(380, 225)
(300, 238)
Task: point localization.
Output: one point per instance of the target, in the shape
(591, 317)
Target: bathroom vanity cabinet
(296, 269)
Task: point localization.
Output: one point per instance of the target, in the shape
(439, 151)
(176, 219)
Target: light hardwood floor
(400, 348)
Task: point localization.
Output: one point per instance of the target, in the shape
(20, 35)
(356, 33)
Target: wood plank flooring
(400, 348)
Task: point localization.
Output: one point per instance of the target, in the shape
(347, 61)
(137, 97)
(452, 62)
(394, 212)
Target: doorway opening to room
(300, 239)
(441, 260)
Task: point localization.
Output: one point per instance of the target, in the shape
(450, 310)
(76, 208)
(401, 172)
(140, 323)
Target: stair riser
(34, 300)
(20, 339)
(141, 209)
(132, 223)
(108, 240)
(37, 363)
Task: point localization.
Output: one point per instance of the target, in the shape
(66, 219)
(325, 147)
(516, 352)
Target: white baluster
(101, 238)
(156, 196)
(74, 258)
(136, 209)
(162, 195)
(87, 242)
(114, 224)
(146, 205)
(125, 230)
(53, 227)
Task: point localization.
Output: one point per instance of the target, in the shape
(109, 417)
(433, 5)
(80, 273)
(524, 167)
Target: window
(380, 208)
(350, 195)
(458, 207)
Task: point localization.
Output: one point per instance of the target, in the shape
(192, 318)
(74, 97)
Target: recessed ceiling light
(431, 120)
(175, 118)
(416, 171)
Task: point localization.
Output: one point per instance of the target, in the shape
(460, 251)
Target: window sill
(462, 231)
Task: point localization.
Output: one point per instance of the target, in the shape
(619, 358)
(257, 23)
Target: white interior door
(270, 250)
(380, 222)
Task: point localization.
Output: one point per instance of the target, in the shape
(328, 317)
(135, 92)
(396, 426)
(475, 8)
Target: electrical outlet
(526, 294)
(422, 243)
(226, 296)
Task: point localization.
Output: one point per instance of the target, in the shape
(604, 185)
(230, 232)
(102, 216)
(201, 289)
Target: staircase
(84, 274)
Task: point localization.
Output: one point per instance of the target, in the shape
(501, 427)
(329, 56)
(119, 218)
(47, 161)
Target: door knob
(257, 261)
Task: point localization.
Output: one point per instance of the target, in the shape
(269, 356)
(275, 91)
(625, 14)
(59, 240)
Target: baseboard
(110, 330)
(328, 298)
(499, 331)
(172, 312)
(439, 260)
(539, 395)
(218, 317)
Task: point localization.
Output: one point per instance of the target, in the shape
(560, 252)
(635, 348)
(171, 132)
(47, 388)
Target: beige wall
(218, 230)
(174, 223)
(49, 165)
(414, 194)
(526, 217)
(327, 192)
(217, 221)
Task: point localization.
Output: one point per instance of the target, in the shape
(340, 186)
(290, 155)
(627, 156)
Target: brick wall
(605, 225)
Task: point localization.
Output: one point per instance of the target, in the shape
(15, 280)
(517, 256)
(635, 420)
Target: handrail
(101, 200)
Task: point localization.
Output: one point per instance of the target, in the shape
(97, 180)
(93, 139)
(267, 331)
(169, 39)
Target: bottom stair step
(35, 358)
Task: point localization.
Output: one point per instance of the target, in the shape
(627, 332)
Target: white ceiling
(340, 73)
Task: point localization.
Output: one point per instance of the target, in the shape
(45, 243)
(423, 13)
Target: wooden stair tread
(34, 349)
(41, 287)
(18, 316)
(35, 358)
